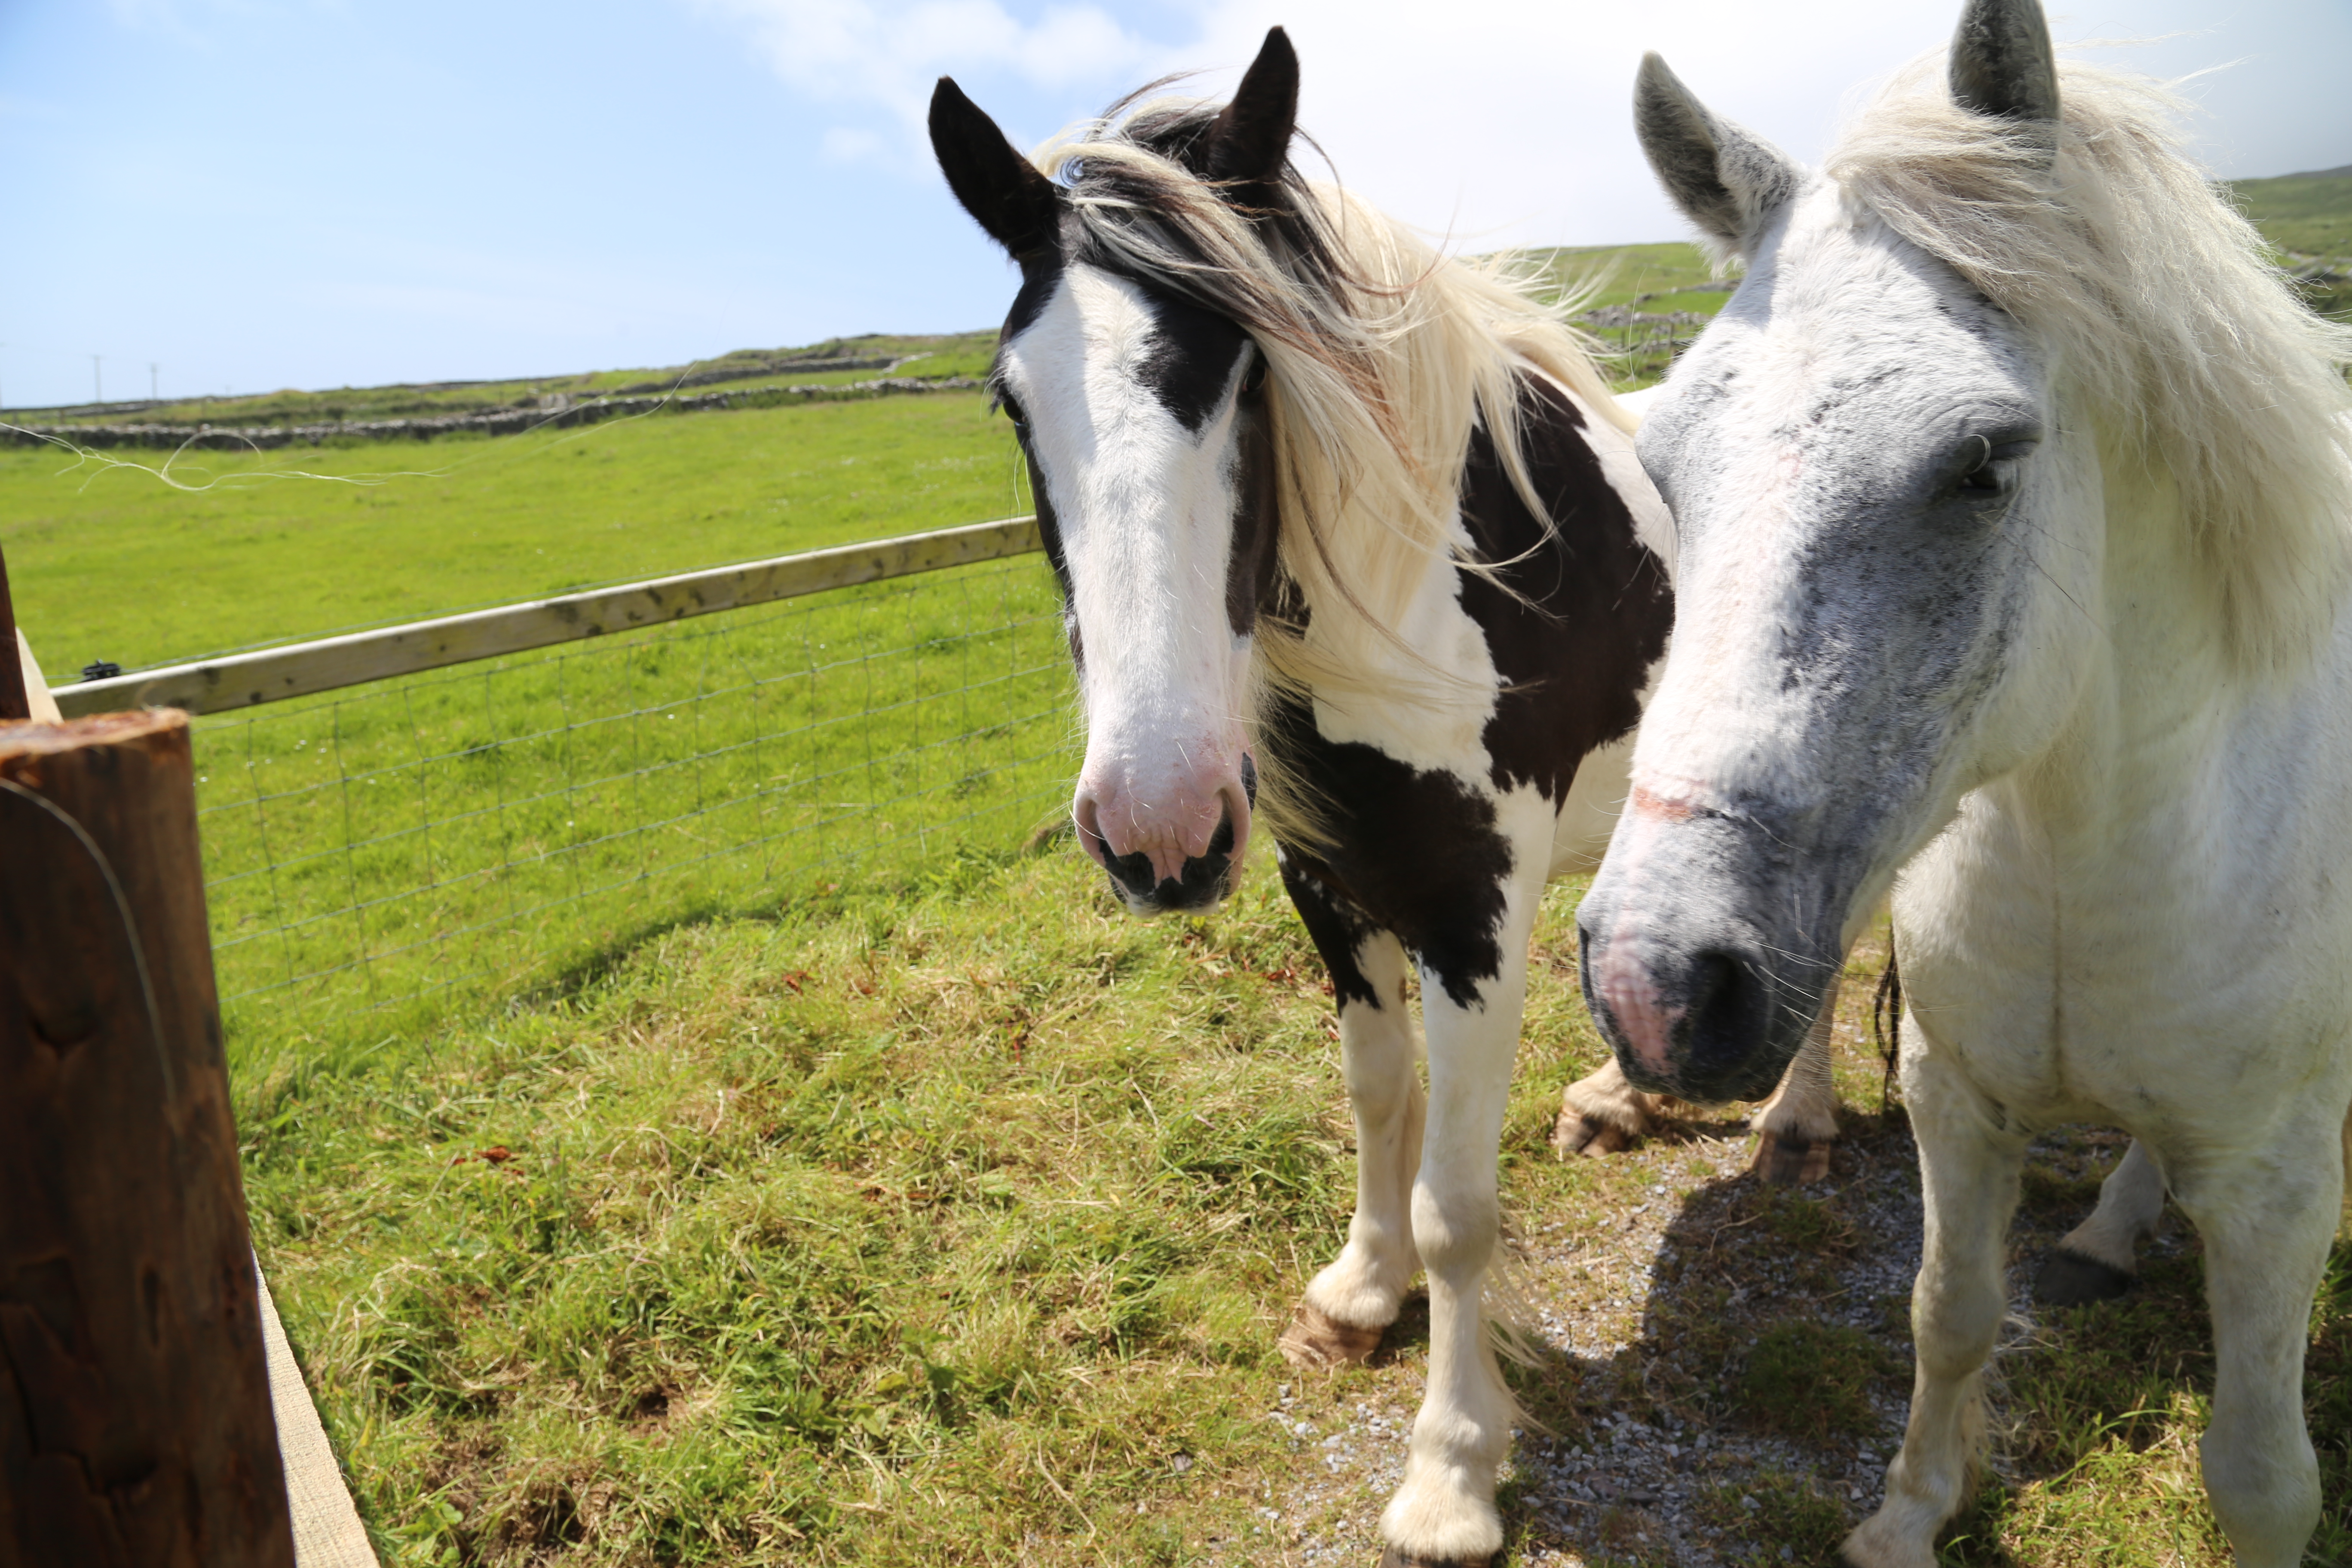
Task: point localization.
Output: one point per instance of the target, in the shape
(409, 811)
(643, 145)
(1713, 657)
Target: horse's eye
(1994, 469)
(1013, 412)
(1988, 478)
(1254, 378)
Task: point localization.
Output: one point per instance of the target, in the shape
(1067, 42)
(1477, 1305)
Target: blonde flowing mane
(1382, 356)
(2163, 309)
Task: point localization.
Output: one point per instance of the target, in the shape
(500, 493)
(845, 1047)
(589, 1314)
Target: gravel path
(1643, 1312)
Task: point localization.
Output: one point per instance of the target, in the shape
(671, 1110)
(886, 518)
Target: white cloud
(1502, 121)
(1495, 121)
(888, 53)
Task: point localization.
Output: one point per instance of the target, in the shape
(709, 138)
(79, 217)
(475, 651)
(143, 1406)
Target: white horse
(2013, 494)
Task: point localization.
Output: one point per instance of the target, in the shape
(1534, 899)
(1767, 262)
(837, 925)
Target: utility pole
(97, 384)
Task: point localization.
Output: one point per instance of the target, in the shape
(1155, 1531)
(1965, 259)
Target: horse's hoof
(1315, 1339)
(1785, 1161)
(1392, 1558)
(2069, 1278)
(1579, 1135)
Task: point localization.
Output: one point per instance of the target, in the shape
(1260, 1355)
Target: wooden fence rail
(299, 669)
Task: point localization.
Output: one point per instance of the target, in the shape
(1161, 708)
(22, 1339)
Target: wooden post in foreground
(135, 1425)
(13, 702)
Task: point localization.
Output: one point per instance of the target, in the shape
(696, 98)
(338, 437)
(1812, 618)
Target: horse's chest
(2112, 986)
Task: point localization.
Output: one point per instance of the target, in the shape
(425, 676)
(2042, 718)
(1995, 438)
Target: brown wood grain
(15, 703)
(135, 1424)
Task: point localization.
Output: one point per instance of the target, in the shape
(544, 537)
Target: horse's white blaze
(1145, 510)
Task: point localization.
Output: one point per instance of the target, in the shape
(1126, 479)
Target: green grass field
(376, 859)
(107, 562)
(952, 1219)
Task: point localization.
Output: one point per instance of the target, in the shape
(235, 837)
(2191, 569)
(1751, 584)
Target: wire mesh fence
(387, 852)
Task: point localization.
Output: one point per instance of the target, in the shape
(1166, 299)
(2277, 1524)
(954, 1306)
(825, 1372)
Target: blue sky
(255, 194)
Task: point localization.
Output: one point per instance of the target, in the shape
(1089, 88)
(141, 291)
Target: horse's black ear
(1725, 179)
(1017, 205)
(2002, 63)
(1249, 140)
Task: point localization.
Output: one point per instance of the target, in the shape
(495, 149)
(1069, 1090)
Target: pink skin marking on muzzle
(1624, 975)
(1170, 824)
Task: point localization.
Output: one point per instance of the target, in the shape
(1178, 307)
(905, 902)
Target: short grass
(1659, 280)
(2309, 218)
(945, 1221)
(377, 857)
(951, 1217)
(1657, 275)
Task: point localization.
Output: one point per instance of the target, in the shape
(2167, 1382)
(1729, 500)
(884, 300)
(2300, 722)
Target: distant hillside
(932, 357)
(2309, 218)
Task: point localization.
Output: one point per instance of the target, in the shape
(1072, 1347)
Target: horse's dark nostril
(1200, 884)
(1132, 872)
(1220, 846)
(1729, 1015)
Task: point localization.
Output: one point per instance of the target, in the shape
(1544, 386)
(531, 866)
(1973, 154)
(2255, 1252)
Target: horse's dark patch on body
(1414, 851)
(1581, 612)
(1337, 928)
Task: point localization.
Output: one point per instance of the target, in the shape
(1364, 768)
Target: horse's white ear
(1725, 179)
(2002, 63)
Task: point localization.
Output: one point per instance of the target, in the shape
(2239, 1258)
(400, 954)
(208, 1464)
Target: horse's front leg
(1603, 1114)
(1969, 1158)
(1444, 1512)
(1796, 1127)
(1350, 1303)
(2267, 1214)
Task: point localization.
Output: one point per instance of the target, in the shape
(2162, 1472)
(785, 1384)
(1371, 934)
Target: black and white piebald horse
(1352, 539)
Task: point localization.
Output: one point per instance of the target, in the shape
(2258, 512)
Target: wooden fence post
(135, 1425)
(13, 702)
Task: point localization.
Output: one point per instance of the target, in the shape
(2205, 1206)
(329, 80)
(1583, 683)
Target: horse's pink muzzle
(1178, 845)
